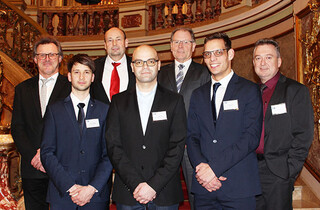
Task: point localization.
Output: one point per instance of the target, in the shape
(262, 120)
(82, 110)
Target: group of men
(241, 145)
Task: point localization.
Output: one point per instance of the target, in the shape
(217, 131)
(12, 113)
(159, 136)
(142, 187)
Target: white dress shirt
(185, 68)
(50, 85)
(221, 90)
(76, 101)
(122, 72)
(145, 101)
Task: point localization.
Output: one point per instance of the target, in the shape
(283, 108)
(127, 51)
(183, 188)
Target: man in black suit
(193, 75)
(287, 130)
(30, 101)
(146, 130)
(108, 82)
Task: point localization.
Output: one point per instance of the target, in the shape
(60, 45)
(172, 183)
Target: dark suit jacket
(196, 76)
(27, 122)
(288, 136)
(97, 89)
(164, 140)
(71, 158)
(229, 147)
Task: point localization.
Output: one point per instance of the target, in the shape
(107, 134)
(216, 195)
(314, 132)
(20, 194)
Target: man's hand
(144, 193)
(204, 174)
(81, 195)
(215, 184)
(36, 162)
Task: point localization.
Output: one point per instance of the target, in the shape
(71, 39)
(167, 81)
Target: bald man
(146, 130)
(113, 72)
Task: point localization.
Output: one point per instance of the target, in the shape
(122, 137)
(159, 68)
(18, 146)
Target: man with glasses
(224, 128)
(30, 101)
(183, 76)
(146, 130)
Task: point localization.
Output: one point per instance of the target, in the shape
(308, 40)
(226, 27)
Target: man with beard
(146, 129)
(73, 149)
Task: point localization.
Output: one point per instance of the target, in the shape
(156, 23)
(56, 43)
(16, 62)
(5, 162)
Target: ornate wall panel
(308, 63)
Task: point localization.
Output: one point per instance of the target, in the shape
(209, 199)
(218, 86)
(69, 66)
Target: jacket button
(82, 152)
(144, 147)
(214, 141)
(142, 167)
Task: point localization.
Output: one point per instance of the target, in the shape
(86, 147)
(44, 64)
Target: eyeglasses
(150, 62)
(217, 53)
(183, 42)
(43, 56)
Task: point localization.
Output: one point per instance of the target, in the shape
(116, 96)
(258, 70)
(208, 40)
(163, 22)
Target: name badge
(158, 116)
(92, 123)
(278, 109)
(230, 105)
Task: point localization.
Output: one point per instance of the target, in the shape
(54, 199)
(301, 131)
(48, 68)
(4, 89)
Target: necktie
(179, 78)
(115, 81)
(213, 101)
(260, 149)
(81, 116)
(43, 95)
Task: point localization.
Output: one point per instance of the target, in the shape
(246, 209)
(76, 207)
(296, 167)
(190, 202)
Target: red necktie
(115, 81)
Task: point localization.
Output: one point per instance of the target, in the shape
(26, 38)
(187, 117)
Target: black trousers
(35, 193)
(276, 191)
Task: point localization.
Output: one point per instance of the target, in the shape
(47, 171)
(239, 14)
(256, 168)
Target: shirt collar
(109, 59)
(75, 100)
(224, 81)
(271, 83)
(186, 64)
(53, 77)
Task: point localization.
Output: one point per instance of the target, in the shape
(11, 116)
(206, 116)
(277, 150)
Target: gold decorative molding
(311, 71)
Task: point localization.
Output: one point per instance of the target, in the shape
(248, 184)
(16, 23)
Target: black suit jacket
(97, 89)
(158, 162)
(27, 122)
(289, 135)
(196, 76)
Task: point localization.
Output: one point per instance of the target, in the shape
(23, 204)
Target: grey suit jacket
(196, 76)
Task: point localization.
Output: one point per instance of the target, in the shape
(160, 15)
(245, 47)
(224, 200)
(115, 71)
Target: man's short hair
(47, 40)
(267, 41)
(83, 59)
(183, 29)
(220, 35)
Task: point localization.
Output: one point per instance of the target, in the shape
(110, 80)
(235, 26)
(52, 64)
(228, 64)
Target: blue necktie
(213, 101)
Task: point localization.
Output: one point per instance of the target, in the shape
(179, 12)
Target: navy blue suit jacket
(229, 147)
(70, 158)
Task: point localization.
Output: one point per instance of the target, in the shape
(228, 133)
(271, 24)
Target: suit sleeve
(18, 124)
(302, 130)
(175, 150)
(60, 177)
(120, 161)
(248, 140)
(193, 137)
(104, 167)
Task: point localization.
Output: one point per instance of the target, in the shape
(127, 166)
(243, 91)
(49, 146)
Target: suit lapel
(190, 74)
(90, 114)
(172, 77)
(229, 95)
(34, 90)
(277, 97)
(60, 84)
(71, 114)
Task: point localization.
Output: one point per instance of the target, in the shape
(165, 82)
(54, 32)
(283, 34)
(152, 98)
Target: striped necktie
(179, 78)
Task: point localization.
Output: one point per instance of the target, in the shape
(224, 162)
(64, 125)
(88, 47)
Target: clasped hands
(144, 193)
(207, 178)
(81, 195)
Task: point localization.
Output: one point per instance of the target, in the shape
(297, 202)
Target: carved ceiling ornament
(312, 54)
(231, 3)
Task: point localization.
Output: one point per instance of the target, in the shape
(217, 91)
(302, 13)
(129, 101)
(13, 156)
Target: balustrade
(17, 35)
(181, 12)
